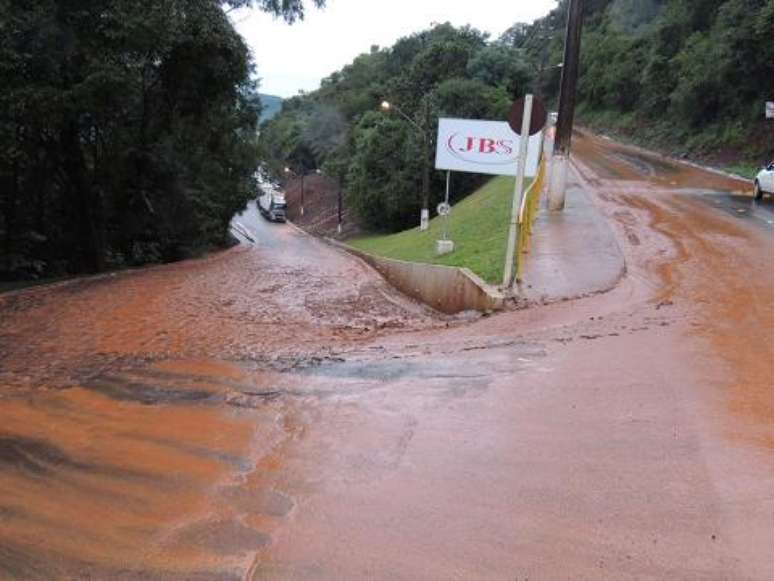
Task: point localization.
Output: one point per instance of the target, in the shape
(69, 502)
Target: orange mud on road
(277, 412)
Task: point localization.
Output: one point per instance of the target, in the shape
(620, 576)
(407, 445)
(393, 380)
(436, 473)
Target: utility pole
(564, 124)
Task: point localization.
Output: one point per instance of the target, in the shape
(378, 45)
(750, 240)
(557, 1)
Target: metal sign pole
(518, 192)
(446, 217)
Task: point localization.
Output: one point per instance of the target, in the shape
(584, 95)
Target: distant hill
(271, 106)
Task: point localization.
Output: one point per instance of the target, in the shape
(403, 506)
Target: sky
(296, 57)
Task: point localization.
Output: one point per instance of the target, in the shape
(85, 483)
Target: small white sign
(770, 110)
(488, 147)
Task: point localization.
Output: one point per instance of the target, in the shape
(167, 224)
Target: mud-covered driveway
(276, 412)
(133, 406)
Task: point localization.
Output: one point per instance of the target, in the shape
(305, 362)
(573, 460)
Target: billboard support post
(444, 245)
(518, 192)
(446, 200)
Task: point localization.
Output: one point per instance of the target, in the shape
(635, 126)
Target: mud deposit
(278, 412)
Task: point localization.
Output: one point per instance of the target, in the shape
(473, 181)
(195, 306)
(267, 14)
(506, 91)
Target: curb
(448, 289)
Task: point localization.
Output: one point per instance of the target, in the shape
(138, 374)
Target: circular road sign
(443, 209)
(539, 116)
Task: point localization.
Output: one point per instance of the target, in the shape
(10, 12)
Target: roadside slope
(478, 226)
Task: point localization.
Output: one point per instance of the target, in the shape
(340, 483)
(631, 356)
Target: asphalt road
(277, 412)
(760, 213)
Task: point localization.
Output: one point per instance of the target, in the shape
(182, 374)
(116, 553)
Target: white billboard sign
(770, 110)
(488, 147)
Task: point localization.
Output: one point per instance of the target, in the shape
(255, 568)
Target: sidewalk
(574, 253)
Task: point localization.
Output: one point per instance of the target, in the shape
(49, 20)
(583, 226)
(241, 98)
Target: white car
(764, 182)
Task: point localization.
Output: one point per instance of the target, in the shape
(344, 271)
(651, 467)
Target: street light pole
(424, 221)
(539, 80)
(338, 186)
(567, 93)
(303, 175)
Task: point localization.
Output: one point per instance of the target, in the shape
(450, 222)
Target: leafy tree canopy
(444, 70)
(127, 130)
(692, 74)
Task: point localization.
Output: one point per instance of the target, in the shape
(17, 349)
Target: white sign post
(518, 193)
(445, 246)
(770, 110)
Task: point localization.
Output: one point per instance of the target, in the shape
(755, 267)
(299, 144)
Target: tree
(691, 74)
(500, 66)
(384, 178)
(443, 70)
(128, 130)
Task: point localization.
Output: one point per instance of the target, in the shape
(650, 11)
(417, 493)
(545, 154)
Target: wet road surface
(760, 213)
(135, 409)
(276, 412)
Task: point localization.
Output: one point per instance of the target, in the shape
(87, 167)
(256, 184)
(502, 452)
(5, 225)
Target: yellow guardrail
(530, 205)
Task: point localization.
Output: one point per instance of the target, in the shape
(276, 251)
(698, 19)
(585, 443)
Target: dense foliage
(127, 130)
(443, 71)
(691, 74)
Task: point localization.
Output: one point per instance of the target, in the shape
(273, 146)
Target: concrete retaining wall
(445, 288)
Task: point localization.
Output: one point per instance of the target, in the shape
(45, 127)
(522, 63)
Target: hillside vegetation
(378, 155)
(686, 76)
(691, 76)
(478, 225)
(127, 131)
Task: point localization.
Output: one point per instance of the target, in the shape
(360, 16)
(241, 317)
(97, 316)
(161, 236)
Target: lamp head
(386, 106)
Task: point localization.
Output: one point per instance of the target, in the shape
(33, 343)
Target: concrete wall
(445, 288)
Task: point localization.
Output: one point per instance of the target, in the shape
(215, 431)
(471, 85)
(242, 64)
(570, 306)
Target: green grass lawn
(478, 225)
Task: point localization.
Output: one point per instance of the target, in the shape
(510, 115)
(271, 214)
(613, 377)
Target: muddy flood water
(277, 411)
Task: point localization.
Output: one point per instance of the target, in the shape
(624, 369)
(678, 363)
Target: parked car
(273, 206)
(764, 182)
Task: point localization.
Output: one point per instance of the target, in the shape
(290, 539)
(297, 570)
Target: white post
(446, 217)
(424, 219)
(518, 192)
(445, 246)
(557, 185)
